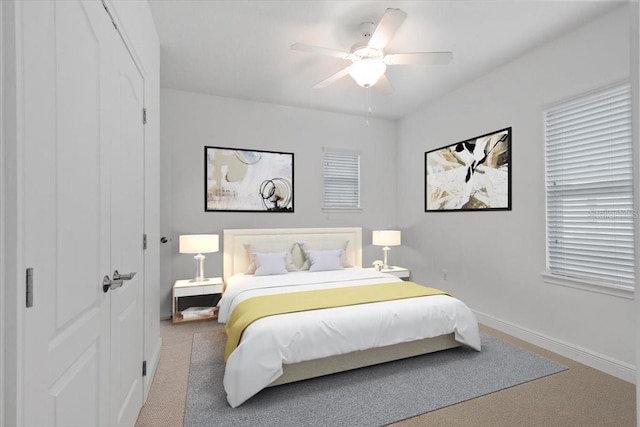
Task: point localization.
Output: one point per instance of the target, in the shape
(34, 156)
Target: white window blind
(589, 181)
(341, 180)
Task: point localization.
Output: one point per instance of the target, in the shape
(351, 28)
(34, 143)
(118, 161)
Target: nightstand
(401, 272)
(188, 288)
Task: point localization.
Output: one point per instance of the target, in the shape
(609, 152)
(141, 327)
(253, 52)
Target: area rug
(372, 396)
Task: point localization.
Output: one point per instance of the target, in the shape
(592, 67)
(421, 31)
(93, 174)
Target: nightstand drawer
(399, 272)
(197, 290)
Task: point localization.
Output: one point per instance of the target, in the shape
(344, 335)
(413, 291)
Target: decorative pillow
(267, 248)
(270, 263)
(321, 245)
(324, 260)
(298, 256)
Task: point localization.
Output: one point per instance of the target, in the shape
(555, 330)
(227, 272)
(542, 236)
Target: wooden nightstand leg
(173, 308)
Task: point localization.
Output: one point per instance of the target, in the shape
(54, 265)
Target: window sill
(342, 210)
(621, 291)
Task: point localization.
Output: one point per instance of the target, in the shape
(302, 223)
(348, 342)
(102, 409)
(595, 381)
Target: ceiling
(241, 49)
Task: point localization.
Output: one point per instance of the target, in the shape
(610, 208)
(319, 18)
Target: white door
(127, 217)
(76, 370)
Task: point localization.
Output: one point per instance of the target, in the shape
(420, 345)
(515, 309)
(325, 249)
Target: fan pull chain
(368, 104)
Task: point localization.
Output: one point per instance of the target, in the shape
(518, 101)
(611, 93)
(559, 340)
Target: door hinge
(144, 368)
(144, 242)
(144, 116)
(29, 287)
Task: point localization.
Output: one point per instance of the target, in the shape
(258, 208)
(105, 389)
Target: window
(589, 182)
(341, 179)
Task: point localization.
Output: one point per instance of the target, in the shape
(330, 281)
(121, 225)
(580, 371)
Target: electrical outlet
(445, 275)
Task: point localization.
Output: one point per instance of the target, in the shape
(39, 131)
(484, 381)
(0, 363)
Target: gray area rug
(373, 396)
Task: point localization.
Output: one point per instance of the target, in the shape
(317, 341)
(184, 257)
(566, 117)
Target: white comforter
(270, 342)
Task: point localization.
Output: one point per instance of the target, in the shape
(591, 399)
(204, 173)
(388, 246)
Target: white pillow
(270, 263)
(322, 245)
(324, 260)
(268, 248)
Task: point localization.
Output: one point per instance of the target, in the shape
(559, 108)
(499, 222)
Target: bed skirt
(359, 359)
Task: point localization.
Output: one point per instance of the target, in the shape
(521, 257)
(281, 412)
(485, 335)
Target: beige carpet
(580, 396)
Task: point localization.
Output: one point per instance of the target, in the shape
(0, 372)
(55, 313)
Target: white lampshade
(387, 238)
(199, 243)
(367, 72)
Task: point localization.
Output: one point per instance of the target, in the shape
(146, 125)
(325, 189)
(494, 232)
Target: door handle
(118, 276)
(110, 284)
(118, 280)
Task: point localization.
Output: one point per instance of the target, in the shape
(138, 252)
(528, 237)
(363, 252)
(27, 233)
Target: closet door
(65, 66)
(83, 202)
(127, 218)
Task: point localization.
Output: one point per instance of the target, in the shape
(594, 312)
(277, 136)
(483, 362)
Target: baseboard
(603, 363)
(152, 365)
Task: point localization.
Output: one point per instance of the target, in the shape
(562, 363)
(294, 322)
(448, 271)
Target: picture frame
(242, 180)
(470, 175)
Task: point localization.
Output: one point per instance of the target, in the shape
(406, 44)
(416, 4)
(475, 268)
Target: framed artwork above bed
(470, 175)
(238, 180)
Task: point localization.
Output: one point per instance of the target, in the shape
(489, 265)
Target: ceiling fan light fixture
(369, 62)
(367, 72)
(363, 51)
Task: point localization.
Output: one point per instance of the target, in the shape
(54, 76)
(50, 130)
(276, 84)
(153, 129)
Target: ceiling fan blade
(383, 85)
(337, 76)
(387, 27)
(321, 50)
(423, 58)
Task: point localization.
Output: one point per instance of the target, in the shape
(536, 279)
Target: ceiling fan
(369, 61)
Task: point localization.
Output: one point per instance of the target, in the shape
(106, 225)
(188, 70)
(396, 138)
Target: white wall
(192, 121)
(2, 204)
(635, 86)
(10, 217)
(495, 259)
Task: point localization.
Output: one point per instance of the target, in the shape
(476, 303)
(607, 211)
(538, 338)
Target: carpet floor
(580, 396)
(372, 396)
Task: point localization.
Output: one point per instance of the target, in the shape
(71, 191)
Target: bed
(290, 347)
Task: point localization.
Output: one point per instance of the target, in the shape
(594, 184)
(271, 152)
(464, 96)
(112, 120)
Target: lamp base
(199, 268)
(385, 263)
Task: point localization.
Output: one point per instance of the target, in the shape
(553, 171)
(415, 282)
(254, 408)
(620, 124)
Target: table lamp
(386, 238)
(199, 244)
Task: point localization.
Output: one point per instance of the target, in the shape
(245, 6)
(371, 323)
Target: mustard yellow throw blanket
(255, 308)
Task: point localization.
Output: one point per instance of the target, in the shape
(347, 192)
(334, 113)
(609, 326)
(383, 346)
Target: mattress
(270, 342)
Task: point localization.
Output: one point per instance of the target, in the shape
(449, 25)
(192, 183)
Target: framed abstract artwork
(471, 175)
(239, 180)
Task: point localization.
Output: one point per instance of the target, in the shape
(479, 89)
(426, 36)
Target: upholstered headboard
(236, 259)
